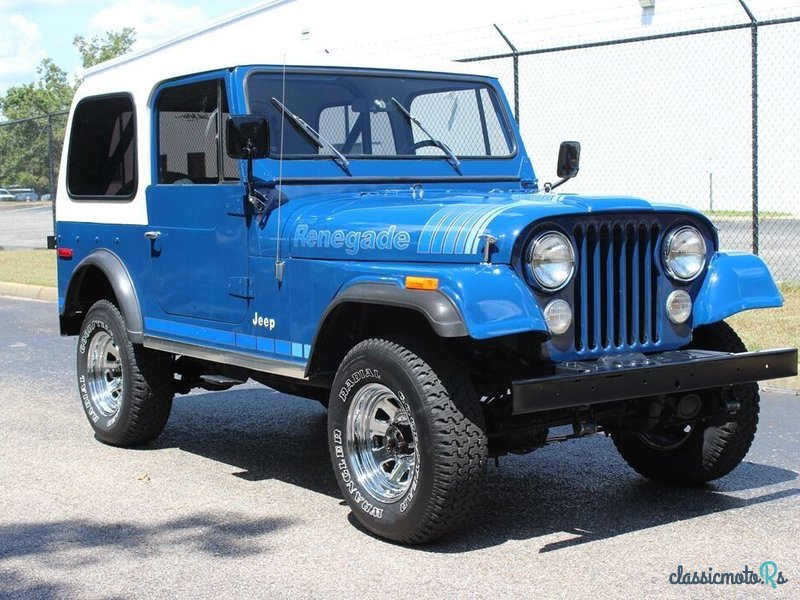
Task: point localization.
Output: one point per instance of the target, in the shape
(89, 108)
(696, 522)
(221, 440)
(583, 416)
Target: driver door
(197, 230)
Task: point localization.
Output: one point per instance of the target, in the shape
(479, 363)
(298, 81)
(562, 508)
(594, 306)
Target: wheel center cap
(396, 441)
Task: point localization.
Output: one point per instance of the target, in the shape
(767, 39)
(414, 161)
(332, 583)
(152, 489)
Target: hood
(441, 227)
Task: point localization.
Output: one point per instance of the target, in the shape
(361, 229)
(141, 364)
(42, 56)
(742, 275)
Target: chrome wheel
(381, 443)
(104, 374)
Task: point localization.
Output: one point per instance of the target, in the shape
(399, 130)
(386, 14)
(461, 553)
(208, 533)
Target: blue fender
(735, 282)
(488, 301)
(495, 302)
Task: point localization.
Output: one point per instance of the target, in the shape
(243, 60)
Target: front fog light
(558, 316)
(679, 307)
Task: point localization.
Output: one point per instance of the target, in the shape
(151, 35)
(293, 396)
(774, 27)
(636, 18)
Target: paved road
(779, 243)
(237, 498)
(25, 224)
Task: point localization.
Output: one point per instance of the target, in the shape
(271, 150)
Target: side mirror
(247, 137)
(569, 158)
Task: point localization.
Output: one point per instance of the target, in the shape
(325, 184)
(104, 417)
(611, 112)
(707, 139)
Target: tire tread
(151, 385)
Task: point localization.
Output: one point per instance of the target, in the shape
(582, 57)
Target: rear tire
(126, 390)
(407, 440)
(708, 451)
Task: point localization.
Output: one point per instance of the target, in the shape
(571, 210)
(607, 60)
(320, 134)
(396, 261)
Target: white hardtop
(145, 70)
(263, 34)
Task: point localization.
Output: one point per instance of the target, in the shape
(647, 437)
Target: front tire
(407, 440)
(709, 449)
(126, 390)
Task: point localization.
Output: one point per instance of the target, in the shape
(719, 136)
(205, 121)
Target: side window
(190, 121)
(465, 120)
(102, 149)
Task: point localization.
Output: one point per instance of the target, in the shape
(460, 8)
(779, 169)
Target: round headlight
(684, 253)
(552, 260)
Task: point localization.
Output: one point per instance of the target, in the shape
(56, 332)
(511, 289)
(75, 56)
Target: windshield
(362, 116)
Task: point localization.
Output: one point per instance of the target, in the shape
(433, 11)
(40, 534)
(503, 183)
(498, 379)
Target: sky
(31, 30)
(37, 29)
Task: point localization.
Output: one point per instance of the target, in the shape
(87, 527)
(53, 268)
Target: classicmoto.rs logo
(767, 574)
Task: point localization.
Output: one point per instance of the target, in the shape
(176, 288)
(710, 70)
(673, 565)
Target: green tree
(24, 155)
(52, 92)
(24, 151)
(100, 49)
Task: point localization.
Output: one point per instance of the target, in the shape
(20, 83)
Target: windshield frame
(498, 100)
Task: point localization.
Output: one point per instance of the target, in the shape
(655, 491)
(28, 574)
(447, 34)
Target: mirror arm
(548, 187)
(259, 205)
(249, 182)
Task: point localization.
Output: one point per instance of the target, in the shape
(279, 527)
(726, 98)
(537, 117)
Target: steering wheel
(412, 148)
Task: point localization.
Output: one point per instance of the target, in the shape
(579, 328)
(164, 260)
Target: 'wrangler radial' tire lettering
(711, 449)
(407, 440)
(126, 390)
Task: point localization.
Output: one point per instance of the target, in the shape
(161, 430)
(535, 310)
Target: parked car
(23, 194)
(377, 240)
(5, 195)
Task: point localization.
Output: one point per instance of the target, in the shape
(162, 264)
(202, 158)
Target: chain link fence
(703, 118)
(30, 152)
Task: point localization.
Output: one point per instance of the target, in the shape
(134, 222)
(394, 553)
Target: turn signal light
(422, 283)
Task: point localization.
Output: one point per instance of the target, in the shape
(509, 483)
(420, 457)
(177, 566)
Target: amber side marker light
(422, 283)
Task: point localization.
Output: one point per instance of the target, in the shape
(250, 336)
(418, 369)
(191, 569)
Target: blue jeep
(377, 240)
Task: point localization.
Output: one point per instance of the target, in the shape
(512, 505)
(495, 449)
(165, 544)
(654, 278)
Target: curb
(31, 292)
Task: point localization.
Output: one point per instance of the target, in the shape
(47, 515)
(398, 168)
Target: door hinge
(241, 287)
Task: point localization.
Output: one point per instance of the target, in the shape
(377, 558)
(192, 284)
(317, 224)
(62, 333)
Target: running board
(228, 357)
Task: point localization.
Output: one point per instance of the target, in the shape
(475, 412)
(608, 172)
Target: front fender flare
(734, 282)
(436, 307)
(482, 302)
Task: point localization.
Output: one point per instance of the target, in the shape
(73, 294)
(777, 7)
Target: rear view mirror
(362, 105)
(247, 136)
(569, 157)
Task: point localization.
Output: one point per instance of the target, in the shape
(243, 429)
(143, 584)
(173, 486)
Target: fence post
(515, 58)
(754, 94)
(52, 174)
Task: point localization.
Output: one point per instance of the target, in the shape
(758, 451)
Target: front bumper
(610, 379)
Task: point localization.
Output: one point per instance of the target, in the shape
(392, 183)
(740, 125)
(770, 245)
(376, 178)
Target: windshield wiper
(451, 156)
(313, 135)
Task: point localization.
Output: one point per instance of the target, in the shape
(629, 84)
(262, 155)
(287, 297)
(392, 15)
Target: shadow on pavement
(265, 434)
(590, 495)
(76, 543)
(581, 491)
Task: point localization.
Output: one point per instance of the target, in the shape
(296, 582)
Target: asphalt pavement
(25, 224)
(237, 499)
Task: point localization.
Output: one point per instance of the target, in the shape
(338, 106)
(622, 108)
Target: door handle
(152, 235)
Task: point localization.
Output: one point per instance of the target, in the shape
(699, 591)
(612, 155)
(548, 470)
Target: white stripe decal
(474, 235)
(457, 229)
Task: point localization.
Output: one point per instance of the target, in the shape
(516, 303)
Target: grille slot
(616, 289)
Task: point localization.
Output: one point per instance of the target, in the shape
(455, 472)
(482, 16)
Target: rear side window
(102, 149)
